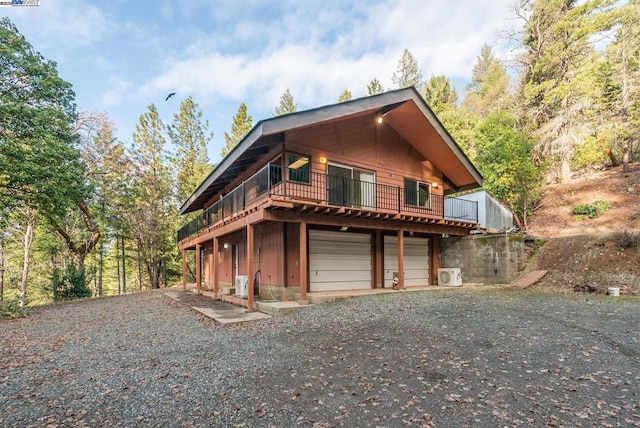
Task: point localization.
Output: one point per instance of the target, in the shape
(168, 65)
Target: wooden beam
(250, 267)
(198, 269)
(184, 269)
(434, 258)
(401, 258)
(304, 263)
(216, 245)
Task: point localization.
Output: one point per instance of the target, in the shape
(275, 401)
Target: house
(342, 197)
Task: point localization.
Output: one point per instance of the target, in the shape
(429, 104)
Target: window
(299, 168)
(416, 193)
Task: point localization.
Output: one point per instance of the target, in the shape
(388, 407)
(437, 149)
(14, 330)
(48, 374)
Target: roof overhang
(403, 109)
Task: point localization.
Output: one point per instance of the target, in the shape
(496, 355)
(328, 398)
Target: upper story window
(417, 193)
(299, 167)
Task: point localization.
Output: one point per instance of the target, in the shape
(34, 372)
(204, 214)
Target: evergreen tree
(287, 104)
(345, 96)
(439, 94)
(375, 87)
(488, 91)
(240, 127)
(407, 71)
(190, 135)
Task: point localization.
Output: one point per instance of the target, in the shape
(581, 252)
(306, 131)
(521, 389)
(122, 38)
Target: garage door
(339, 261)
(416, 260)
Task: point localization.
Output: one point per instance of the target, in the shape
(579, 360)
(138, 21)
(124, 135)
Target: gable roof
(403, 109)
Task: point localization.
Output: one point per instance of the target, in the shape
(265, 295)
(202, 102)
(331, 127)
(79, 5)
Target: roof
(403, 109)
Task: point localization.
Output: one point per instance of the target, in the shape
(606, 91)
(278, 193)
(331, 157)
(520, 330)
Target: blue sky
(121, 55)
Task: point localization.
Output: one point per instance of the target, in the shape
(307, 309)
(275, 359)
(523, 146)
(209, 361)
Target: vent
(450, 277)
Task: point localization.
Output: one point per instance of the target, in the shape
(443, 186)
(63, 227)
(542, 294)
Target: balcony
(329, 191)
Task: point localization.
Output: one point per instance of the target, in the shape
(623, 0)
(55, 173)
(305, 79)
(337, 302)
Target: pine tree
(287, 104)
(488, 91)
(439, 94)
(345, 96)
(375, 87)
(240, 127)
(190, 135)
(407, 72)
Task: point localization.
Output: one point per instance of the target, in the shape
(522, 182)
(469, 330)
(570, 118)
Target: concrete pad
(220, 312)
(528, 279)
(279, 308)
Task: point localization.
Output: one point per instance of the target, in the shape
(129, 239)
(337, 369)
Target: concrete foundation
(484, 259)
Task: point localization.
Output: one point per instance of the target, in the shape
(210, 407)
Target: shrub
(70, 285)
(627, 238)
(16, 307)
(590, 210)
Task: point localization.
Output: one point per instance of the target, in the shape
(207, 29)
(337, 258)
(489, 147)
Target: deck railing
(329, 190)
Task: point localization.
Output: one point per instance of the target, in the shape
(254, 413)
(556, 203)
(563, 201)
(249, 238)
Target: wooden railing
(329, 190)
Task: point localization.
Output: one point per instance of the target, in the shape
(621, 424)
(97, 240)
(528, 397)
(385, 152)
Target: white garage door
(339, 261)
(416, 260)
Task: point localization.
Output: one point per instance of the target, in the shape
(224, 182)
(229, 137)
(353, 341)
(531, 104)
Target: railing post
(399, 205)
(269, 179)
(243, 198)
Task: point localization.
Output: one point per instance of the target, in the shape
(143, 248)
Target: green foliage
(287, 104)
(375, 87)
(407, 71)
(16, 307)
(69, 285)
(590, 152)
(488, 91)
(345, 96)
(240, 127)
(38, 164)
(504, 158)
(592, 210)
(439, 93)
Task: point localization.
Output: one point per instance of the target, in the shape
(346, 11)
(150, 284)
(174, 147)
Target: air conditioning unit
(449, 277)
(242, 286)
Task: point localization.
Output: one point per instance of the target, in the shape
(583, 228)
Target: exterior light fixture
(380, 120)
(434, 184)
(225, 245)
(322, 160)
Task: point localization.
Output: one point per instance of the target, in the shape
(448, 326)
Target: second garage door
(416, 260)
(339, 261)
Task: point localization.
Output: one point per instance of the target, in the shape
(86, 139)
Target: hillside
(586, 255)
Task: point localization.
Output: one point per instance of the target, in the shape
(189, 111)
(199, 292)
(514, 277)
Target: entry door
(347, 186)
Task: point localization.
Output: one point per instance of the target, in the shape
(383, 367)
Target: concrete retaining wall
(484, 259)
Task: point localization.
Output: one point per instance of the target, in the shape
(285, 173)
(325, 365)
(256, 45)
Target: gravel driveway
(437, 358)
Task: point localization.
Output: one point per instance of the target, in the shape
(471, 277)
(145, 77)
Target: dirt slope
(585, 255)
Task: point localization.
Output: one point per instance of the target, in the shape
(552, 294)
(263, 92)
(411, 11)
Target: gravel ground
(438, 358)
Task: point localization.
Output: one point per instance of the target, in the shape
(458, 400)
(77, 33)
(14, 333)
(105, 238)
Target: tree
(488, 91)
(504, 158)
(439, 94)
(407, 71)
(345, 96)
(153, 207)
(558, 84)
(240, 127)
(375, 87)
(287, 104)
(190, 135)
(38, 162)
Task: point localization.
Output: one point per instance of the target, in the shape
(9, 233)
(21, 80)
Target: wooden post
(401, 258)
(379, 268)
(184, 269)
(250, 267)
(216, 248)
(434, 258)
(209, 274)
(198, 270)
(304, 269)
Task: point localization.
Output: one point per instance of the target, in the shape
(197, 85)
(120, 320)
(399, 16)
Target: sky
(120, 56)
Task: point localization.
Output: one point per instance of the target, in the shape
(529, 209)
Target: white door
(367, 189)
(339, 261)
(416, 260)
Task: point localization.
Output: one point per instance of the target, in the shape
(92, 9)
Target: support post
(250, 267)
(198, 268)
(216, 249)
(184, 269)
(304, 269)
(401, 259)
(434, 258)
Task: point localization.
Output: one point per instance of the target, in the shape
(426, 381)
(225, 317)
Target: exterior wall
(269, 247)
(484, 259)
(491, 213)
(364, 145)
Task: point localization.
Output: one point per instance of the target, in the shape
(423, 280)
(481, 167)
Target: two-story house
(342, 197)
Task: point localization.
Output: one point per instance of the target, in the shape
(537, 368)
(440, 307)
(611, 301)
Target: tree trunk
(124, 268)
(118, 267)
(625, 158)
(139, 269)
(100, 269)
(28, 239)
(565, 170)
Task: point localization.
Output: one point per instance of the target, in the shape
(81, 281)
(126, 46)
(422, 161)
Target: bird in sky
(169, 96)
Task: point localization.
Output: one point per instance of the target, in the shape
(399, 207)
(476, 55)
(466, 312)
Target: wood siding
(269, 247)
